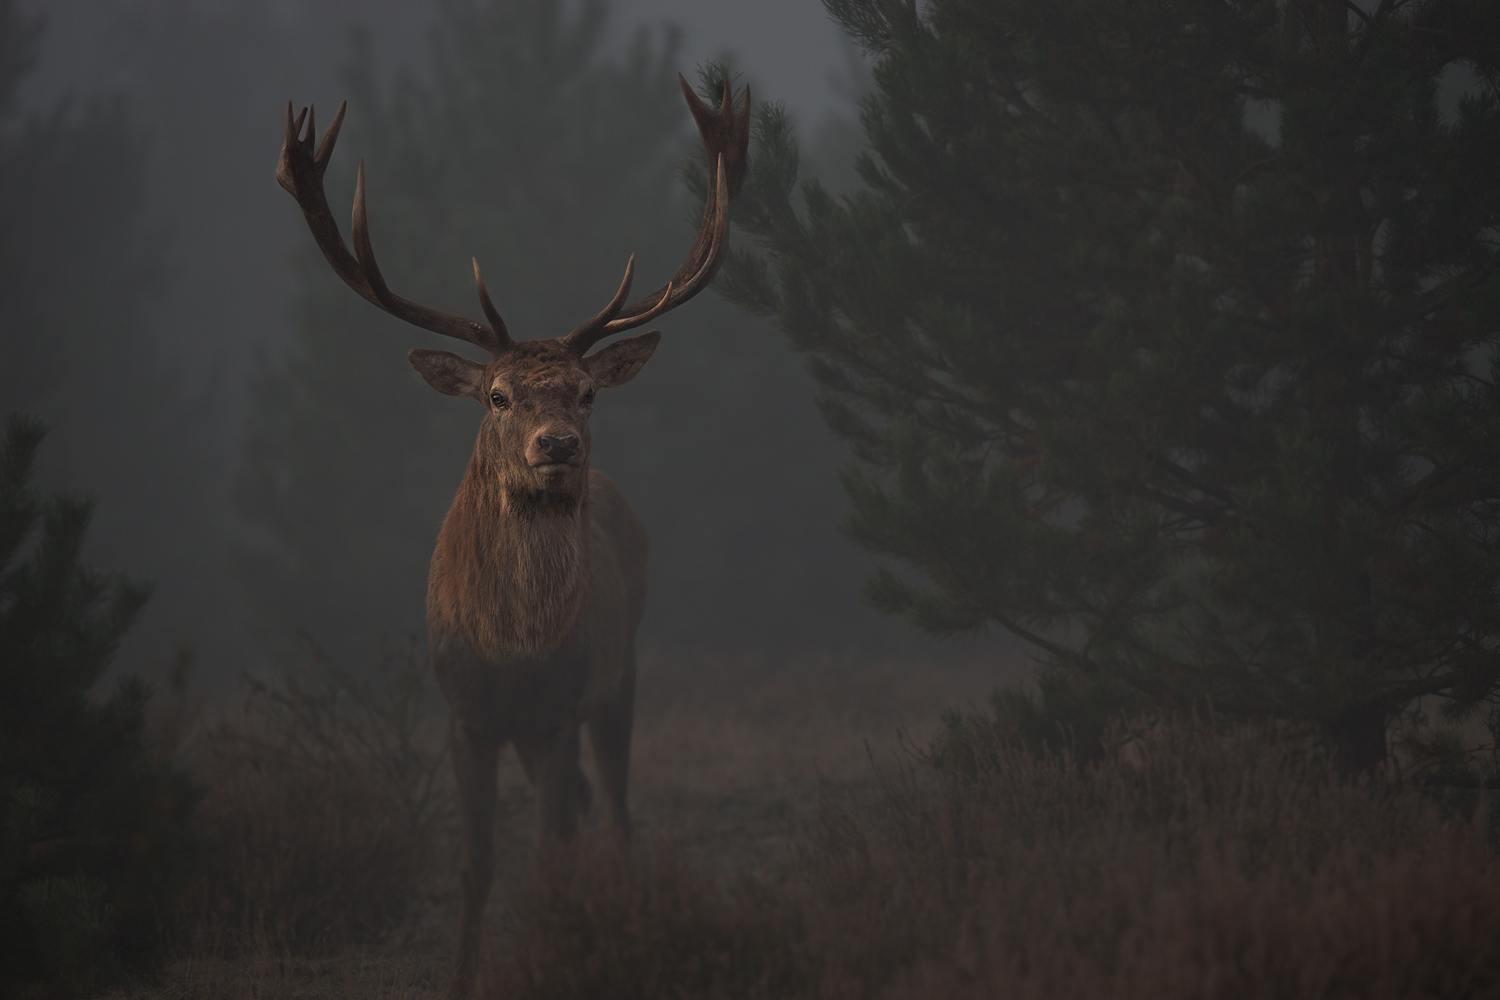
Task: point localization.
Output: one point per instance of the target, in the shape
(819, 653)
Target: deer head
(538, 394)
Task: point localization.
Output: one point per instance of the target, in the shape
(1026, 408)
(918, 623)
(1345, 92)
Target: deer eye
(588, 398)
(498, 398)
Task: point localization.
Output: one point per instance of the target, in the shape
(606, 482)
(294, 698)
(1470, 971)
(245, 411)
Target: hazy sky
(791, 46)
(207, 82)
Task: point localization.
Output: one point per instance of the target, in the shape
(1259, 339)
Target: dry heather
(318, 890)
(1199, 867)
(325, 805)
(789, 848)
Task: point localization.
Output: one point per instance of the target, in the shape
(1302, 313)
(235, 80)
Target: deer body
(565, 592)
(572, 584)
(582, 574)
(538, 579)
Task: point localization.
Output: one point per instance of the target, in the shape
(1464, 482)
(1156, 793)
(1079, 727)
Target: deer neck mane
(510, 571)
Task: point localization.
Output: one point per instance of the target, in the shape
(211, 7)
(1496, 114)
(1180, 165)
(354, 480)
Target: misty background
(258, 445)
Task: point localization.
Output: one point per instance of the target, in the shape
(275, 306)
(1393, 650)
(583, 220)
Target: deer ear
(618, 363)
(449, 373)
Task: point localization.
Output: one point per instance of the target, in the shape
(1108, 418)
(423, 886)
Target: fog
(154, 334)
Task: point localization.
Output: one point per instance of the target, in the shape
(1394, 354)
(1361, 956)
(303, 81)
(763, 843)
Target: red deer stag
(538, 580)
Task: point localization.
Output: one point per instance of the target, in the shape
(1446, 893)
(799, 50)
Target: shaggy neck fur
(510, 571)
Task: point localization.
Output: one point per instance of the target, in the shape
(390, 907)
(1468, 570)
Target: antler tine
(695, 272)
(726, 140)
(428, 319)
(364, 250)
(299, 175)
(325, 148)
(294, 128)
(300, 171)
(589, 332)
(673, 295)
(490, 312)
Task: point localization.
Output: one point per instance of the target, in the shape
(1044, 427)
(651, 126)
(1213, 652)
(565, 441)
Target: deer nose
(557, 449)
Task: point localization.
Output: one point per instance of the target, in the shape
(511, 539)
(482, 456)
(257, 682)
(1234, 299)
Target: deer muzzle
(556, 449)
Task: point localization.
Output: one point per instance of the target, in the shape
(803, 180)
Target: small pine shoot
(94, 838)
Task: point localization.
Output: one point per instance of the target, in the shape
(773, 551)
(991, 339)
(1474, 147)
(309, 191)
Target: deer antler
(726, 139)
(300, 171)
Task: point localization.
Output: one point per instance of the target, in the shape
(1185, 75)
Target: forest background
(261, 451)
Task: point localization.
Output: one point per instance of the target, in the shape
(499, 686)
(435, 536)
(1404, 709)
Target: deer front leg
(554, 771)
(474, 759)
(584, 790)
(609, 732)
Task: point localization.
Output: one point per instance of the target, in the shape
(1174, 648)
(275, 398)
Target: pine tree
(1165, 336)
(94, 838)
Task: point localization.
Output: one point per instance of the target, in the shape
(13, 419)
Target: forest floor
(730, 756)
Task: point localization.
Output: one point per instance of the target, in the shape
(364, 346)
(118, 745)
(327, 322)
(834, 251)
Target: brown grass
(789, 848)
(263, 974)
(747, 723)
(1203, 866)
(730, 752)
(593, 923)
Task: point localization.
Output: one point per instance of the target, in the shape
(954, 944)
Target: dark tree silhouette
(1165, 335)
(94, 836)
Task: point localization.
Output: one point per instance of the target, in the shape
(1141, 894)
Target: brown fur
(537, 585)
(509, 571)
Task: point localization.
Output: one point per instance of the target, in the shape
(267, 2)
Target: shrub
(327, 797)
(94, 829)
